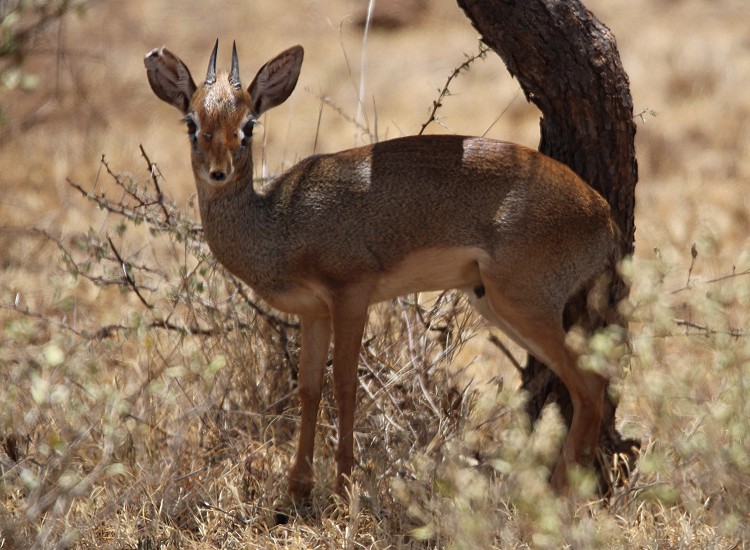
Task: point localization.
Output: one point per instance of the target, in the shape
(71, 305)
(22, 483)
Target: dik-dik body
(517, 231)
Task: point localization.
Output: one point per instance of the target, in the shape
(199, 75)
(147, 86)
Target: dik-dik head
(220, 114)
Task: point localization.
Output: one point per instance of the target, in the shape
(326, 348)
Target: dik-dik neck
(240, 228)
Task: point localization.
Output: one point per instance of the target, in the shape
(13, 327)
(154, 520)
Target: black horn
(211, 74)
(234, 74)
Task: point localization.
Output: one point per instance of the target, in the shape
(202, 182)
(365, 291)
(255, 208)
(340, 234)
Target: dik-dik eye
(246, 132)
(192, 128)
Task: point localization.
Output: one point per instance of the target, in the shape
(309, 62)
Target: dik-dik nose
(218, 175)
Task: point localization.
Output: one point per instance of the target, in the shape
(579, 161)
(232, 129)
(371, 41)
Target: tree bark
(567, 64)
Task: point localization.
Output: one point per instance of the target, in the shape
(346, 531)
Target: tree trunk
(568, 65)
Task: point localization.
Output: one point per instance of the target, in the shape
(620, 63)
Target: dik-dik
(518, 232)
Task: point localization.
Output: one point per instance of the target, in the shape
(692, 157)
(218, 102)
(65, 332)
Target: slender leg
(349, 318)
(316, 335)
(539, 329)
(587, 392)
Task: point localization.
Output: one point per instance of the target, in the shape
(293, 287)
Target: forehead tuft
(221, 97)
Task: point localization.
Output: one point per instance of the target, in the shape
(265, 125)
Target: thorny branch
(155, 175)
(96, 258)
(109, 331)
(706, 330)
(79, 268)
(126, 274)
(444, 91)
(694, 258)
(328, 102)
(160, 215)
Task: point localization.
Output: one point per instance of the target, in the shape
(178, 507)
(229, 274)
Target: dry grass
(171, 424)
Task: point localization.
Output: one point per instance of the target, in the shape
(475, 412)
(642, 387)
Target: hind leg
(537, 326)
(585, 428)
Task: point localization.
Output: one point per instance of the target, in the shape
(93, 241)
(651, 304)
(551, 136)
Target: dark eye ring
(247, 132)
(192, 128)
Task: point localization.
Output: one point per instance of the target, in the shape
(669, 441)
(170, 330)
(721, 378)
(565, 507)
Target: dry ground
(86, 96)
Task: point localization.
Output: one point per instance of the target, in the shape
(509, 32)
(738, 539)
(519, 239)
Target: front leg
(316, 335)
(349, 318)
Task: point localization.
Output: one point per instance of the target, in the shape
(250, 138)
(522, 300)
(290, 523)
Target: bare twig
(499, 116)
(502, 347)
(444, 91)
(732, 275)
(652, 113)
(234, 517)
(109, 331)
(328, 102)
(708, 331)
(694, 255)
(138, 205)
(128, 277)
(102, 333)
(155, 175)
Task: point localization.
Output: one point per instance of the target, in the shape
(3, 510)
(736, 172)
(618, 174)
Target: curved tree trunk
(568, 65)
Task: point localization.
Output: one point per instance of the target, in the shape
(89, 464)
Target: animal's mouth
(215, 178)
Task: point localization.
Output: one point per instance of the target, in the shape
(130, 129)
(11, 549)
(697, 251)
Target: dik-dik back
(364, 211)
(517, 231)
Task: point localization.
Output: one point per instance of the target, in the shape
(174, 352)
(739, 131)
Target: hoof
(286, 508)
(299, 488)
(280, 517)
(559, 479)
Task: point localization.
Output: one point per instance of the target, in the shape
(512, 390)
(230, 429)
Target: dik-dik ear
(169, 78)
(276, 80)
